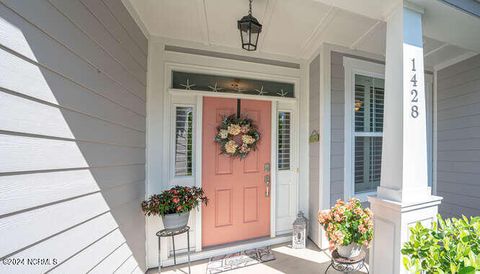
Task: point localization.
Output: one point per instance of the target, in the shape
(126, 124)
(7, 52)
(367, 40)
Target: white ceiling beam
(202, 13)
(437, 49)
(317, 33)
(137, 18)
(454, 60)
(365, 34)
(267, 18)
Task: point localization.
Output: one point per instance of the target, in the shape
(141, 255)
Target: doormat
(240, 259)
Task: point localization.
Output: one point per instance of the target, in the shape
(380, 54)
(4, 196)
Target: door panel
(238, 207)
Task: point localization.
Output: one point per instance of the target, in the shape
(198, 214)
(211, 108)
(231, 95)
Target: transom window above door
(227, 84)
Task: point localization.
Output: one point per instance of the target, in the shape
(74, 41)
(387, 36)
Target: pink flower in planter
(339, 202)
(331, 246)
(175, 200)
(324, 216)
(347, 222)
(362, 229)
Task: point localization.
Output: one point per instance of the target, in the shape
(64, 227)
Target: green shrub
(450, 246)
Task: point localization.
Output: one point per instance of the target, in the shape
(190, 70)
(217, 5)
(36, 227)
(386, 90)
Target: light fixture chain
(250, 8)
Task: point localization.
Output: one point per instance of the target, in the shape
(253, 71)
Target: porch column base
(392, 220)
(407, 196)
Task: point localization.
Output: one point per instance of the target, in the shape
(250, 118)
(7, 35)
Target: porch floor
(288, 260)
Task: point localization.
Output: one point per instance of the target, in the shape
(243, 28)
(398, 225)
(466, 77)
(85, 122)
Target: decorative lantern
(250, 29)
(299, 237)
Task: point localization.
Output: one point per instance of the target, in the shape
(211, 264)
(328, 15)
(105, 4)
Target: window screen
(284, 124)
(368, 119)
(183, 141)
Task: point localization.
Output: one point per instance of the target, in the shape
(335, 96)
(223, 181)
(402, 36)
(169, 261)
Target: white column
(404, 196)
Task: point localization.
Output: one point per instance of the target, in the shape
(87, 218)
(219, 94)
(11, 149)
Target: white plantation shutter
(368, 132)
(283, 142)
(183, 141)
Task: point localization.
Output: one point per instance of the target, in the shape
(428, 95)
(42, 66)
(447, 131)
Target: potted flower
(348, 227)
(174, 205)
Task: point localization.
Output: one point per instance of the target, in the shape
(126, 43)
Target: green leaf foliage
(449, 246)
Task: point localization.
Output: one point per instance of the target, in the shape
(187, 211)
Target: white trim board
(273, 168)
(182, 92)
(433, 128)
(325, 128)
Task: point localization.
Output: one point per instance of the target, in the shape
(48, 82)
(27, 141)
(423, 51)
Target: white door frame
(198, 95)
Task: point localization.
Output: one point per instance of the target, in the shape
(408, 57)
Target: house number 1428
(414, 92)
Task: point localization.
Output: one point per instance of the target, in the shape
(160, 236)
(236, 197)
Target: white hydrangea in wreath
(237, 136)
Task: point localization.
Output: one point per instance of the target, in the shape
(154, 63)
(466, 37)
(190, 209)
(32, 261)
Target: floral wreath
(237, 136)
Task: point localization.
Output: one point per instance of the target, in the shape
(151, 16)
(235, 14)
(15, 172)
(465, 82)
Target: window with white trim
(368, 102)
(183, 140)
(283, 142)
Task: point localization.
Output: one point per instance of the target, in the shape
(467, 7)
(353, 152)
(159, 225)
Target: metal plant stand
(172, 233)
(347, 265)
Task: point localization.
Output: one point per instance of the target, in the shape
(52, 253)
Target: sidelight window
(183, 141)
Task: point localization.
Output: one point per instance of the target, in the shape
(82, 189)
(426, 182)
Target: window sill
(363, 196)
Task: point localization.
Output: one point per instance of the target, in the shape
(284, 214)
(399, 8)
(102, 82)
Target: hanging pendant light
(250, 29)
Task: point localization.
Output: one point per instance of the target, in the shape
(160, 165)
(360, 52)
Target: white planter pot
(175, 221)
(349, 251)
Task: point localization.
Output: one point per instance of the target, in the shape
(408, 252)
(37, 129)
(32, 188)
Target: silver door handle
(266, 179)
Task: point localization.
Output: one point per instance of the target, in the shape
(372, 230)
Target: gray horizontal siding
(72, 136)
(458, 158)
(337, 124)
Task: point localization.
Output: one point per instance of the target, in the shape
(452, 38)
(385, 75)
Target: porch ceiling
(295, 28)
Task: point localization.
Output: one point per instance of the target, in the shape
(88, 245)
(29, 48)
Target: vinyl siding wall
(337, 127)
(72, 136)
(458, 138)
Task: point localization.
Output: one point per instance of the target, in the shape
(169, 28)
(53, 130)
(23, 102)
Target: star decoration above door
(228, 84)
(187, 86)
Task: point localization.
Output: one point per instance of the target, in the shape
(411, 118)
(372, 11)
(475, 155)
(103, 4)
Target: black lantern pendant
(250, 29)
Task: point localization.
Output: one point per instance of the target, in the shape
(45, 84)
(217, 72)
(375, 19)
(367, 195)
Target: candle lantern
(299, 237)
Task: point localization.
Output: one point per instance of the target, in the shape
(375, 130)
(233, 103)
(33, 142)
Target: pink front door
(239, 208)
